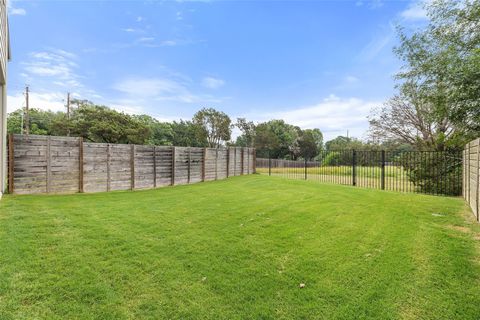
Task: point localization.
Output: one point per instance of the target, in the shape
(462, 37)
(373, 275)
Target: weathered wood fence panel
(44, 164)
(471, 176)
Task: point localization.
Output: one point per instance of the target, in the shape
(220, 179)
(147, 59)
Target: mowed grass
(239, 249)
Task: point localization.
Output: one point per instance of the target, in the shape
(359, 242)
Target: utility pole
(27, 120)
(68, 114)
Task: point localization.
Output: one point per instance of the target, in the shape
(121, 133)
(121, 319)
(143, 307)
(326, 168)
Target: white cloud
(46, 101)
(333, 116)
(372, 4)
(13, 11)
(52, 63)
(380, 42)
(17, 12)
(140, 19)
(415, 11)
(147, 90)
(51, 73)
(351, 79)
(212, 83)
(129, 30)
(168, 43)
(146, 39)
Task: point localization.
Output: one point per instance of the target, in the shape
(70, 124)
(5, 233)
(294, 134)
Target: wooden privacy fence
(471, 176)
(46, 164)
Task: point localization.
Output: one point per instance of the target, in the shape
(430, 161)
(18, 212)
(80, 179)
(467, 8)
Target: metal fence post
(269, 166)
(305, 168)
(383, 170)
(354, 167)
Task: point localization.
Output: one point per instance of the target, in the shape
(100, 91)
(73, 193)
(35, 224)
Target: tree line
(207, 128)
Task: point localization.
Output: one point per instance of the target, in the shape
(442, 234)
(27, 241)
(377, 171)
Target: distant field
(239, 249)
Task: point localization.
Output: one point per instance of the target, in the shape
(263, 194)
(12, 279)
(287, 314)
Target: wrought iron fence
(429, 172)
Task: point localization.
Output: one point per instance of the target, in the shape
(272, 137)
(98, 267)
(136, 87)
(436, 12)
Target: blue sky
(316, 64)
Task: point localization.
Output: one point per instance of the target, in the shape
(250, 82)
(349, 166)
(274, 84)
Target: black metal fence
(429, 172)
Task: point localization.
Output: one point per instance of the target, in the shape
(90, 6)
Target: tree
(345, 143)
(247, 139)
(438, 86)
(101, 124)
(212, 125)
(277, 139)
(411, 119)
(40, 122)
(266, 142)
(310, 143)
(14, 121)
(161, 132)
(185, 134)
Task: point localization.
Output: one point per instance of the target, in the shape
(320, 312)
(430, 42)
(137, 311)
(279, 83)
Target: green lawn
(239, 249)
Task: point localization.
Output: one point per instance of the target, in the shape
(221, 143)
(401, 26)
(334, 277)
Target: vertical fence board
(48, 157)
(109, 156)
(10, 164)
(154, 167)
(173, 166)
(132, 167)
(80, 164)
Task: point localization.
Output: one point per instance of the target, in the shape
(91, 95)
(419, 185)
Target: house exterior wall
(4, 55)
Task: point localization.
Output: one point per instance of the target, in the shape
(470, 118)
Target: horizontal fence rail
(429, 172)
(471, 176)
(46, 164)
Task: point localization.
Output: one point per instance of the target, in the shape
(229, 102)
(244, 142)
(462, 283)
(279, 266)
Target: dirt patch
(459, 228)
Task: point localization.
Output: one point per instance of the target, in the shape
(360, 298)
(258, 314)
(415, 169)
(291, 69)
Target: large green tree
(161, 133)
(438, 104)
(41, 122)
(185, 134)
(213, 125)
(102, 124)
(247, 138)
(277, 139)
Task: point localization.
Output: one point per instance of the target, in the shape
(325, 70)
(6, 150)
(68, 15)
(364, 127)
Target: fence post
(154, 166)
(173, 167)
(243, 161)
(254, 160)
(463, 172)
(468, 173)
(189, 165)
(269, 165)
(305, 168)
(204, 163)
(248, 160)
(234, 161)
(10, 163)
(132, 167)
(478, 180)
(108, 166)
(216, 163)
(383, 170)
(354, 167)
(228, 162)
(80, 165)
(49, 163)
